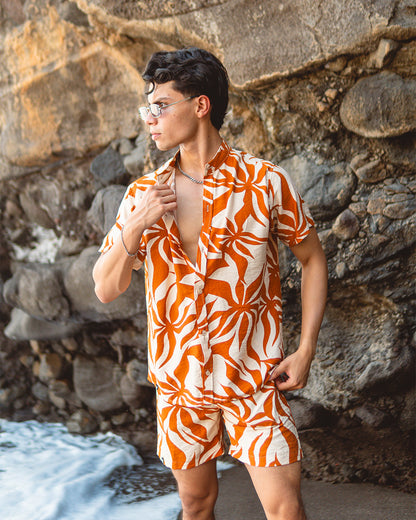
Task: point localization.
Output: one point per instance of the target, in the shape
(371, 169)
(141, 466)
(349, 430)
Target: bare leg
(278, 489)
(198, 490)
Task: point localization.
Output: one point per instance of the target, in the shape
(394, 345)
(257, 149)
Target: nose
(150, 119)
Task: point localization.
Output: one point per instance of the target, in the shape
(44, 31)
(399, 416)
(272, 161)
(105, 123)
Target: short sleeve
(128, 204)
(291, 219)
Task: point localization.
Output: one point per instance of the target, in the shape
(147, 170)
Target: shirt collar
(165, 171)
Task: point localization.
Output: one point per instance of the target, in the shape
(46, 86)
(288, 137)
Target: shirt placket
(200, 284)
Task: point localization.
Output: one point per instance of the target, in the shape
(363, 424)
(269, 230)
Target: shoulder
(247, 161)
(262, 168)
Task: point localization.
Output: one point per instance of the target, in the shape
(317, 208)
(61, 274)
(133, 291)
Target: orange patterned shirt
(214, 328)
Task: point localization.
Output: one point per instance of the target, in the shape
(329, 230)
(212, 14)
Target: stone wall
(327, 90)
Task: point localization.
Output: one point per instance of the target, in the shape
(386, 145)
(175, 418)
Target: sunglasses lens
(154, 110)
(143, 111)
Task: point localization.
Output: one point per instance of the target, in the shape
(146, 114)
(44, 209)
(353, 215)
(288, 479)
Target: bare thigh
(278, 489)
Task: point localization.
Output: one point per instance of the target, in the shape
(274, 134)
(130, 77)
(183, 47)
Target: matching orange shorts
(260, 428)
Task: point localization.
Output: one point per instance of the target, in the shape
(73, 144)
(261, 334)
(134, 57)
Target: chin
(165, 147)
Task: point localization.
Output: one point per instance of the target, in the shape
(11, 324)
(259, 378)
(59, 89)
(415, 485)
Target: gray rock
(346, 225)
(400, 210)
(292, 128)
(372, 171)
(8, 397)
(401, 151)
(82, 422)
(144, 440)
(384, 369)
(69, 247)
(384, 54)
(79, 286)
(132, 393)
(134, 161)
(329, 242)
(104, 208)
(44, 201)
(341, 269)
(305, 32)
(380, 106)
(95, 383)
(69, 11)
(34, 211)
(371, 416)
(40, 391)
(108, 168)
(307, 414)
(123, 146)
(57, 401)
(407, 420)
(24, 327)
(327, 189)
(51, 366)
(359, 355)
(36, 289)
(137, 371)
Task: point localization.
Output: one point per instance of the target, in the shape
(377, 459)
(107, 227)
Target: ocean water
(46, 473)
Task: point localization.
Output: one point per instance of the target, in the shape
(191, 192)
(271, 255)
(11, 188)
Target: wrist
(130, 240)
(307, 347)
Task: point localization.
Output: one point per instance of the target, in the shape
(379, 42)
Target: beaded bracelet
(124, 245)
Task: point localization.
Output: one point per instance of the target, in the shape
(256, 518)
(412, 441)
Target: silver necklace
(187, 175)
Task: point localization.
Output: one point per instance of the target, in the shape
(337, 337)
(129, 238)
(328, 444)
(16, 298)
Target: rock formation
(327, 90)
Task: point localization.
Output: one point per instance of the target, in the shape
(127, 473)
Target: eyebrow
(161, 100)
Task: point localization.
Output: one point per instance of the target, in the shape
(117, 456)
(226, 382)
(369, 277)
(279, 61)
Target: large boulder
(382, 105)
(97, 383)
(289, 36)
(327, 189)
(104, 208)
(362, 355)
(79, 286)
(67, 93)
(36, 289)
(23, 327)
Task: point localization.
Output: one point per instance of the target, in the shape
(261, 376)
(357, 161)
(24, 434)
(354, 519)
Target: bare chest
(189, 215)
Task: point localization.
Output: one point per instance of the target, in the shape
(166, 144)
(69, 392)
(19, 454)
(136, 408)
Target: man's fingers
(278, 374)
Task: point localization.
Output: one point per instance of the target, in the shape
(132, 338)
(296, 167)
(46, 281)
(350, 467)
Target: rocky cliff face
(326, 90)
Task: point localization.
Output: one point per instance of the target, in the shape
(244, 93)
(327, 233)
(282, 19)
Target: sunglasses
(155, 110)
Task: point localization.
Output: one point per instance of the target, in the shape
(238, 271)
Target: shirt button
(199, 287)
(207, 372)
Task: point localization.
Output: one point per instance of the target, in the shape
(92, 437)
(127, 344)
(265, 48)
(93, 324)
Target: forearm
(113, 270)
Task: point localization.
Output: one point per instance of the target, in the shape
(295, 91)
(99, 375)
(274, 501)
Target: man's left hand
(292, 373)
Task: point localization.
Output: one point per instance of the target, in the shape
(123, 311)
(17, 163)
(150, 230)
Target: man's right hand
(157, 200)
(113, 270)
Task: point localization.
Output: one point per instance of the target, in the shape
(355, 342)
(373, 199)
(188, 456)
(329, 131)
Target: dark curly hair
(195, 72)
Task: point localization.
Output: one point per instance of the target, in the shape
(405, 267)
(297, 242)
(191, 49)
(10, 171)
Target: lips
(155, 136)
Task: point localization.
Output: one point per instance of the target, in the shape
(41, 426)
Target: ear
(203, 107)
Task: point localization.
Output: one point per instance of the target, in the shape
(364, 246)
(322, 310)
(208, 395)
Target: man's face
(177, 124)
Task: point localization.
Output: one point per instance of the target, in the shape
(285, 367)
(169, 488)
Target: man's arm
(112, 271)
(314, 291)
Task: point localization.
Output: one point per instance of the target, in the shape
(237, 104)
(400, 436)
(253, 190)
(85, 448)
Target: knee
(287, 510)
(199, 503)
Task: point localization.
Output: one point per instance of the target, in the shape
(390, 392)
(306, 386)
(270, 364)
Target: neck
(195, 155)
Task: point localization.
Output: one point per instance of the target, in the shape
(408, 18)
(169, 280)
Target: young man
(206, 226)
